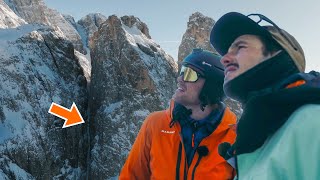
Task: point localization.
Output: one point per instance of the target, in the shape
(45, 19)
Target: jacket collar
(265, 112)
(228, 119)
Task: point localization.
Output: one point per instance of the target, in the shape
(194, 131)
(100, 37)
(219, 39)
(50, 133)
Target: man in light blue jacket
(278, 135)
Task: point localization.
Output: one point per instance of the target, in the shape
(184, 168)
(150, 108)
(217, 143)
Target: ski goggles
(189, 75)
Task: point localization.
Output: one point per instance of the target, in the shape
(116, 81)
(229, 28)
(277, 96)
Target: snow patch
(68, 172)
(112, 107)
(12, 169)
(85, 63)
(13, 34)
(13, 126)
(141, 113)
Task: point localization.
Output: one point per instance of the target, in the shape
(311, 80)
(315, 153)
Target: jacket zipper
(194, 169)
(178, 162)
(237, 169)
(185, 172)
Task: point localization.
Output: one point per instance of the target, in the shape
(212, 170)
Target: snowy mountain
(35, 11)
(131, 77)
(38, 67)
(8, 19)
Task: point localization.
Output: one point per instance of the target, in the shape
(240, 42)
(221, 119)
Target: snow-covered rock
(10, 170)
(35, 11)
(70, 20)
(131, 77)
(8, 19)
(32, 11)
(88, 25)
(85, 63)
(38, 67)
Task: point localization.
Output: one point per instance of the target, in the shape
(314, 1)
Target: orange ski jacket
(158, 151)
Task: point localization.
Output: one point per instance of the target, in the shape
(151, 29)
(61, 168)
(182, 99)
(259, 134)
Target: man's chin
(175, 99)
(178, 100)
(228, 78)
(177, 95)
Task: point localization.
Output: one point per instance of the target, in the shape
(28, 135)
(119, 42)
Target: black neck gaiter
(262, 76)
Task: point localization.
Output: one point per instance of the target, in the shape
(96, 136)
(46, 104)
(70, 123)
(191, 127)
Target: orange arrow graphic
(72, 117)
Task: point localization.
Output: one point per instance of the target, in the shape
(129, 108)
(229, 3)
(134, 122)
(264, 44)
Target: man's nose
(180, 79)
(226, 59)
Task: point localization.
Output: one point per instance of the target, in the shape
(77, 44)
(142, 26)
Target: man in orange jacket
(182, 141)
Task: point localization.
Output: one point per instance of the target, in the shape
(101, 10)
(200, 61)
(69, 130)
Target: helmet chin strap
(203, 100)
(202, 106)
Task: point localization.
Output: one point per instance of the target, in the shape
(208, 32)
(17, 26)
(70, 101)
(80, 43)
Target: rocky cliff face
(35, 11)
(197, 35)
(38, 67)
(8, 19)
(89, 25)
(131, 77)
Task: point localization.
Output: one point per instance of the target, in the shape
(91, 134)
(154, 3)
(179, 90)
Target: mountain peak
(131, 21)
(35, 11)
(197, 35)
(198, 19)
(196, 15)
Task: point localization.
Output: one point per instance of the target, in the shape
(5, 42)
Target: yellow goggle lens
(189, 75)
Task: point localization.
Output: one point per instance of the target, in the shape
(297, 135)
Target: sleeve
(299, 153)
(304, 163)
(136, 166)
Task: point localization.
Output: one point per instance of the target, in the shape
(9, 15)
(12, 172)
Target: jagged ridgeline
(109, 66)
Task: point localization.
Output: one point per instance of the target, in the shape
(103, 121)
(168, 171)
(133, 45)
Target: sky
(167, 19)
